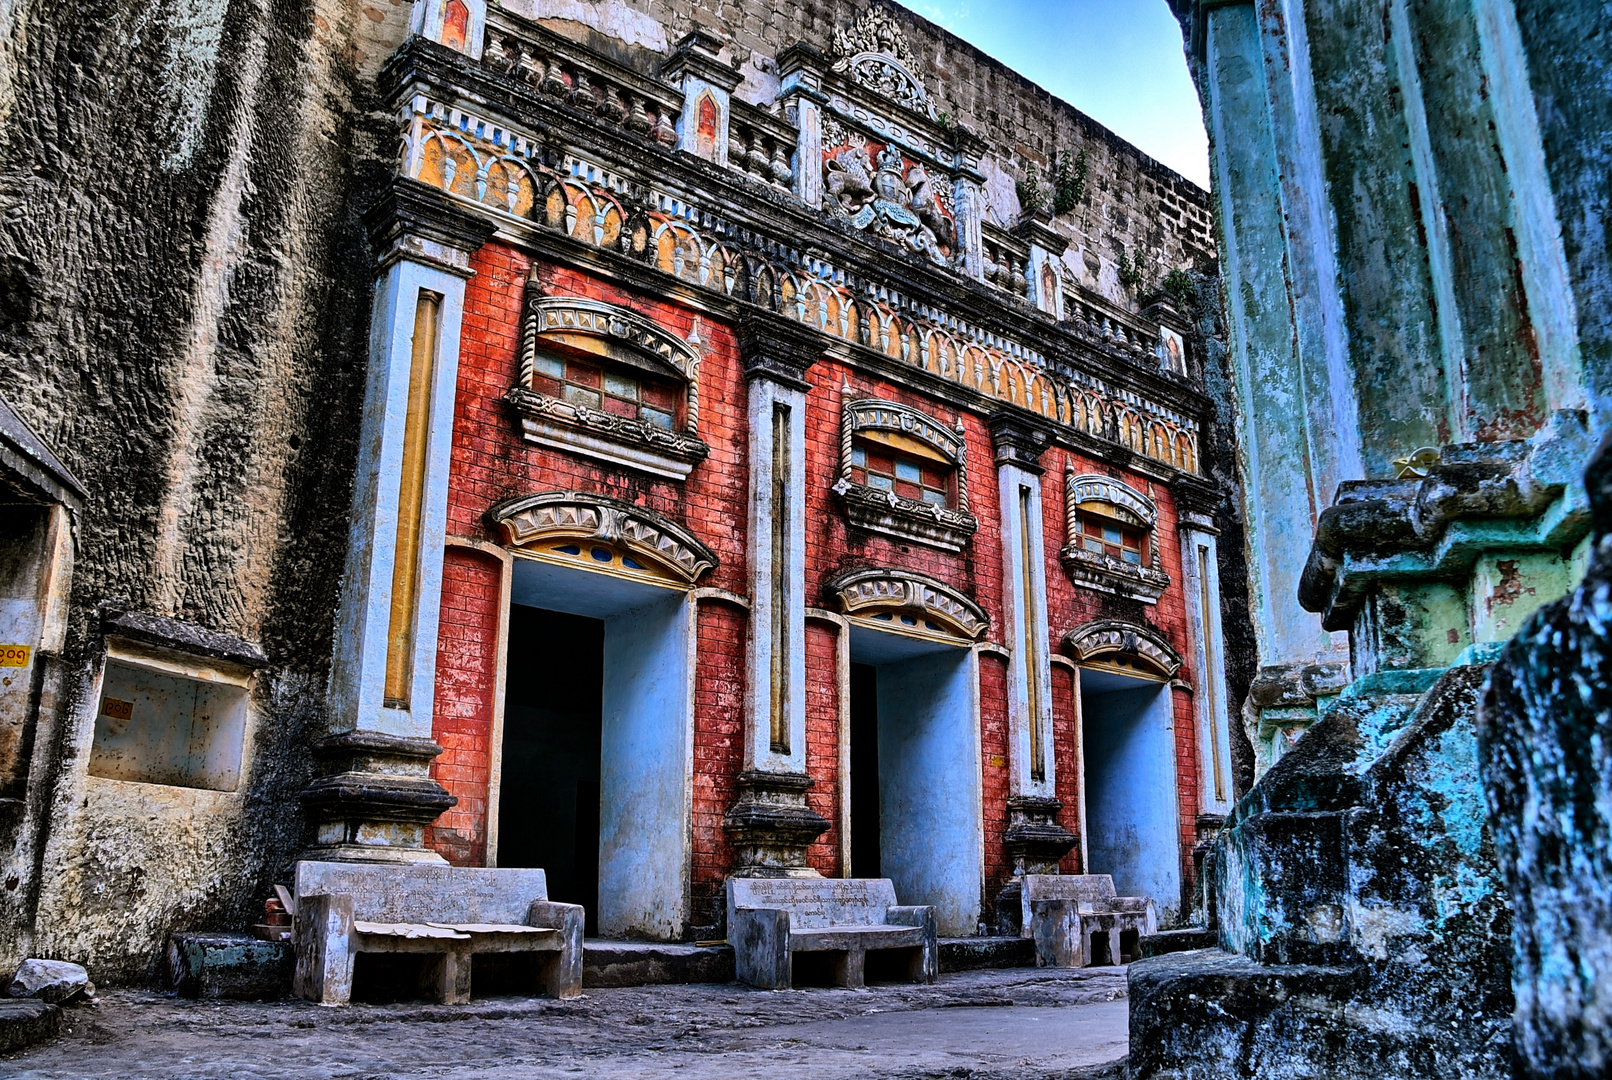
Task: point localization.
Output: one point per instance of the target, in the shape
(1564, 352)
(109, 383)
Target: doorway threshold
(653, 963)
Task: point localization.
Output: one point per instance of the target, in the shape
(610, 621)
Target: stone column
(1289, 350)
(770, 824)
(693, 67)
(803, 98)
(375, 797)
(1033, 840)
(1201, 585)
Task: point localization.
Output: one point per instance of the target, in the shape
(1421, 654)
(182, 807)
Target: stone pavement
(1022, 1023)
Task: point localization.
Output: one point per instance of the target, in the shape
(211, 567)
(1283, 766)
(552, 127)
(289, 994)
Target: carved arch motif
(1124, 647)
(1131, 504)
(641, 543)
(908, 602)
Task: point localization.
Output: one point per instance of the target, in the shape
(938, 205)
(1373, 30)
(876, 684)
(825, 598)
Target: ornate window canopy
(914, 435)
(613, 337)
(1125, 648)
(594, 532)
(905, 602)
(1104, 497)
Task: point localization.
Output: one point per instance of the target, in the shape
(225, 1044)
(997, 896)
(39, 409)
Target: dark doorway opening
(548, 803)
(865, 822)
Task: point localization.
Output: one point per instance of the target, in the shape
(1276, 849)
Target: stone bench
(772, 919)
(1077, 920)
(448, 913)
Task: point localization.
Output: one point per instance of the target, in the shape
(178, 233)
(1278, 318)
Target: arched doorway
(916, 807)
(1130, 817)
(595, 773)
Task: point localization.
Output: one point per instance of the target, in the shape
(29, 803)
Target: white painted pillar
(1201, 582)
(1024, 602)
(376, 796)
(770, 823)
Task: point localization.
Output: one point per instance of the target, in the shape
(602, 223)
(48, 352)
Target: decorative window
(1111, 538)
(909, 475)
(1112, 545)
(605, 382)
(904, 474)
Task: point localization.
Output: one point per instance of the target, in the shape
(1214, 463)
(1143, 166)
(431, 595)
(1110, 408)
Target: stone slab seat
(771, 919)
(1065, 912)
(449, 912)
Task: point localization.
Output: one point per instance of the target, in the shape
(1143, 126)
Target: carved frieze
(911, 602)
(874, 53)
(890, 199)
(643, 540)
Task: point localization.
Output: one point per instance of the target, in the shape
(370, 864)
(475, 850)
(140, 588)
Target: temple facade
(757, 453)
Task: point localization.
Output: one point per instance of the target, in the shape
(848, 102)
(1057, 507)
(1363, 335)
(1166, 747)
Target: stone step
(639, 963)
(1183, 939)
(25, 1022)
(976, 953)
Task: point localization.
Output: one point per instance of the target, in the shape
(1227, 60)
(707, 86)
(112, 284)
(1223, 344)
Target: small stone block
(27, 1022)
(233, 966)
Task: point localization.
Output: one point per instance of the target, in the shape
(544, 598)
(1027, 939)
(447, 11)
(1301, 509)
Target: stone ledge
(979, 953)
(26, 1023)
(635, 963)
(1186, 939)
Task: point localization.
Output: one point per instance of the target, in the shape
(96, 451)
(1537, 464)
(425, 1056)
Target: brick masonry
(491, 462)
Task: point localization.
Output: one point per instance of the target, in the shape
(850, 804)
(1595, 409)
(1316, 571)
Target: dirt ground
(987, 1025)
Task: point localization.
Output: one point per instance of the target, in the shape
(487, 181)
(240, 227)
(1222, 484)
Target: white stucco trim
(766, 593)
(1011, 480)
(1207, 642)
(358, 668)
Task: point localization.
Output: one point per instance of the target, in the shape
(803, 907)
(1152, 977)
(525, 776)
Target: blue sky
(1118, 61)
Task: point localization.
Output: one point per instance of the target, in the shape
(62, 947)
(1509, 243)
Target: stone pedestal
(771, 825)
(1035, 842)
(374, 799)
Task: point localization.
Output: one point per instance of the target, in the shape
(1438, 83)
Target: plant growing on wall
(1069, 182)
(1032, 196)
(1178, 283)
(1130, 270)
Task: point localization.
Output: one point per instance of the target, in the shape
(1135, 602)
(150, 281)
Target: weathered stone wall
(183, 318)
(1543, 739)
(1133, 206)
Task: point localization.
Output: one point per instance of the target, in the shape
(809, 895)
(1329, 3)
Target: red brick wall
(823, 741)
(718, 749)
(491, 462)
(467, 675)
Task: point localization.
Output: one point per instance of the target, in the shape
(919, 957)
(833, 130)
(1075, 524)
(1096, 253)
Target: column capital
(1019, 439)
(419, 223)
(778, 348)
(696, 54)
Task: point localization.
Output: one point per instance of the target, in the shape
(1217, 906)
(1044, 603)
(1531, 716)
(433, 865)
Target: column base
(1036, 843)
(771, 826)
(375, 799)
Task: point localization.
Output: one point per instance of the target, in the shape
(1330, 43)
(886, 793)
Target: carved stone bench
(1077, 920)
(772, 919)
(449, 913)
